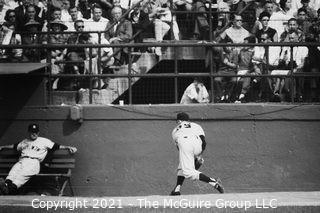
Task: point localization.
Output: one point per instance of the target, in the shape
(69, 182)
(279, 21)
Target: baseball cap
(34, 128)
(182, 116)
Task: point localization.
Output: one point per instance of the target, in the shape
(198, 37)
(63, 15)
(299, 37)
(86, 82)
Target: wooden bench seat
(57, 164)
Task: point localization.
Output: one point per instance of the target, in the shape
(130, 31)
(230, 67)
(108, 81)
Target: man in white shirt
(299, 54)
(196, 92)
(236, 33)
(96, 23)
(278, 20)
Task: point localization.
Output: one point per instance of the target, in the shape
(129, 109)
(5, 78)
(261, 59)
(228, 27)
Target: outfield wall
(127, 150)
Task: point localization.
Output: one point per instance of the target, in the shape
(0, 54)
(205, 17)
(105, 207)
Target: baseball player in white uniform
(189, 138)
(33, 151)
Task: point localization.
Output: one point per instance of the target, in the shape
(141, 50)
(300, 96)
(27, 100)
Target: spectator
(31, 37)
(246, 67)
(236, 33)
(84, 9)
(105, 5)
(228, 66)
(3, 10)
(311, 13)
(8, 36)
(223, 19)
(296, 4)
(266, 59)
(96, 23)
(299, 54)
(286, 7)
(74, 16)
(278, 19)
(196, 92)
(56, 14)
(65, 16)
(249, 14)
(303, 23)
(292, 26)
(10, 20)
(121, 32)
(33, 151)
(24, 13)
(77, 54)
(162, 17)
(201, 23)
(314, 31)
(272, 33)
(141, 23)
(81, 57)
(57, 55)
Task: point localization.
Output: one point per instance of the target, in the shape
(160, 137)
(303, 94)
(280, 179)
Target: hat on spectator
(33, 128)
(58, 22)
(32, 23)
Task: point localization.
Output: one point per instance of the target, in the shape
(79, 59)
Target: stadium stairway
(269, 202)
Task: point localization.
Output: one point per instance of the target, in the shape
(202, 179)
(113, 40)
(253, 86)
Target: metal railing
(176, 74)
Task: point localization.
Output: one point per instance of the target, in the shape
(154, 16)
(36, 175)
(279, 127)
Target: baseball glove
(198, 161)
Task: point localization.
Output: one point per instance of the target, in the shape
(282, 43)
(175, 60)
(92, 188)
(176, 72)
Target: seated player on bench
(33, 151)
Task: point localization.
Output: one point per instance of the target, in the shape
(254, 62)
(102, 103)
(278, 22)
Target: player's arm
(204, 143)
(11, 146)
(70, 148)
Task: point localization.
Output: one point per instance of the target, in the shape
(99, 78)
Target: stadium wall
(127, 150)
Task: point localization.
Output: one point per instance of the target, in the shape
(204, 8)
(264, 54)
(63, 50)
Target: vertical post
(210, 21)
(267, 80)
(130, 76)
(90, 77)
(292, 84)
(176, 72)
(49, 73)
(210, 53)
(99, 60)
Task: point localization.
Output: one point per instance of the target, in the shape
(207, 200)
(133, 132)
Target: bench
(57, 165)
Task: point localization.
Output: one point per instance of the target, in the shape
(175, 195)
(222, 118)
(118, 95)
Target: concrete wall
(127, 150)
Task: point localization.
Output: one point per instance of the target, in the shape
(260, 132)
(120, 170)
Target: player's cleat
(174, 193)
(219, 187)
(3, 187)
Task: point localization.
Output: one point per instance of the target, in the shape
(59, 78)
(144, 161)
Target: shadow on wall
(70, 126)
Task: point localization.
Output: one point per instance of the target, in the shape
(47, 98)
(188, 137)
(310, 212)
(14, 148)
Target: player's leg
(186, 167)
(213, 182)
(197, 148)
(176, 190)
(19, 174)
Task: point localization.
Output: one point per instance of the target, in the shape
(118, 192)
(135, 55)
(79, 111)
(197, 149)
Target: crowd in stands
(232, 21)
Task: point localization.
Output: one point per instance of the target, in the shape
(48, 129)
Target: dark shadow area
(70, 126)
(160, 90)
(18, 91)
